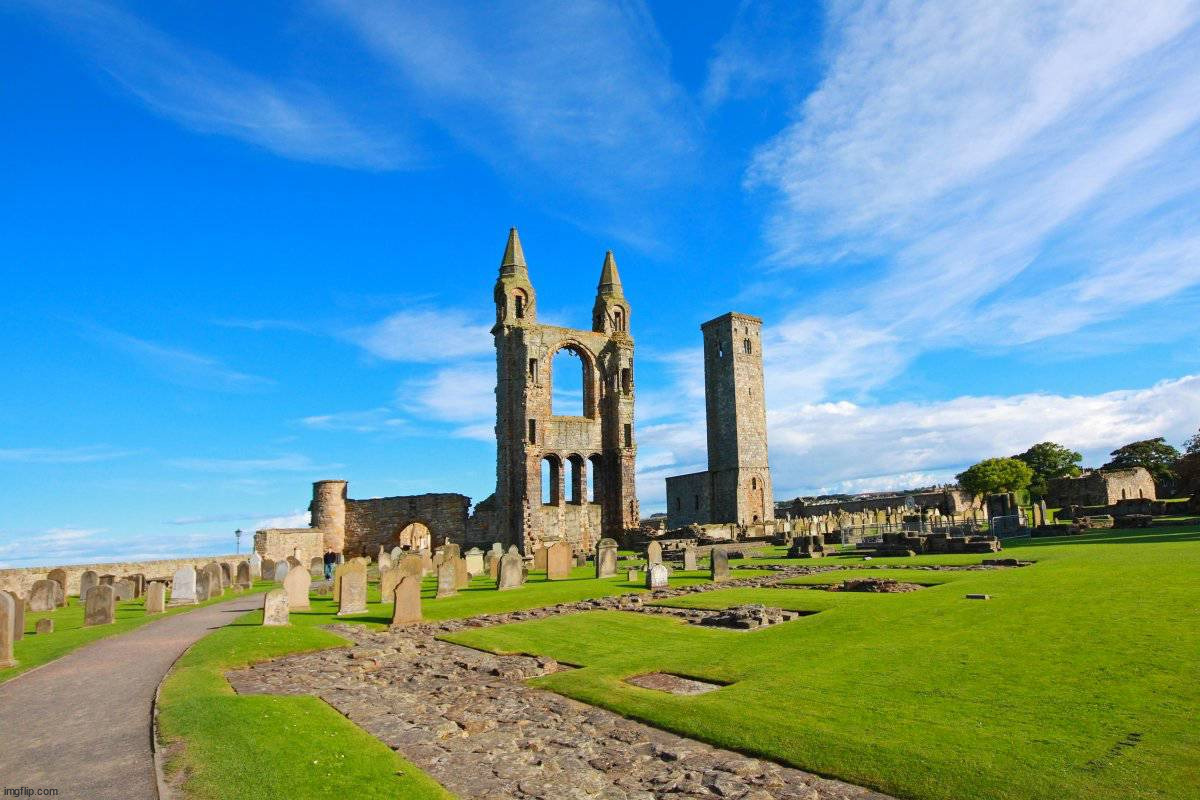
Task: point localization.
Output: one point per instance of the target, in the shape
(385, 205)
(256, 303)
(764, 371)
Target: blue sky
(248, 246)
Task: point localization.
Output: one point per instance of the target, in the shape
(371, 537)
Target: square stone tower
(600, 441)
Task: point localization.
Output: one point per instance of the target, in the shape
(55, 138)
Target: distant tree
(1187, 469)
(996, 475)
(1192, 445)
(1155, 455)
(1049, 460)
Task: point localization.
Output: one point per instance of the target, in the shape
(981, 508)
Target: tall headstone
(275, 608)
(123, 590)
(256, 564)
(297, 585)
(606, 558)
(295, 563)
(539, 557)
(19, 616)
(183, 586)
(139, 583)
(426, 562)
(452, 550)
(491, 563)
(43, 596)
(447, 584)
(352, 589)
(268, 569)
(316, 567)
(156, 596)
(474, 559)
(558, 561)
(718, 563)
(407, 599)
(512, 570)
(384, 560)
(656, 577)
(653, 553)
(632, 576)
(100, 606)
(498, 549)
(216, 586)
(689, 557)
(397, 554)
(282, 568)
(462, 578)
(243, 575)
(8, 631)
(59, 576)
(226, 576)
(203, 585)
(87, 579)
(388, 581)
(107, 580)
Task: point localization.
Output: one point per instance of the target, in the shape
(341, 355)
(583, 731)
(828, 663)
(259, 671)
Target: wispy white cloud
(425, 335)
(763, 47)
(463, 394)
(369, 421)
(234, 466)
(62, 455)
(204, 92)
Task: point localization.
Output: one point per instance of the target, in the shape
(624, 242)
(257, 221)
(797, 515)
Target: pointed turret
(610, 314)
(515, 299)
(514, 255)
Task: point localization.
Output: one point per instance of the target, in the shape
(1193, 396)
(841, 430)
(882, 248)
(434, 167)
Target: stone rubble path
(82, 724)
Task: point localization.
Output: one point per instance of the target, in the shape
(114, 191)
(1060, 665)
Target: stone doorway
(415, 536)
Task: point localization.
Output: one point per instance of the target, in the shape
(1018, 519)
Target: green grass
(1080, 678)
(69, 633)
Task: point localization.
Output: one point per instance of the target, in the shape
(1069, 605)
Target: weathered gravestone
(268, 569)
(156, 595)
(203, 585)
(512, 569)
(226, 576)
(123, 590)
(447, 575)
(388, 581)
(100, 606)
(606, 558)
(632, 576)
(410, 564)
(87, 580)
(384, 561)
(718, 563)
(474, 561)
(107, 580)
(439, 556)
(491, 564)
(689, 557)
(558, 561)
(397, 554)
(426, 562)
(297, 584)
(352, 590)
(452, 550)
(497, 548)
(539, 557)
(216, 587)
(19, 617)
(294, 563)
(256, 564)
(44, 625)
(316, 567)
(407, 599)
(275, 608)
(656, 577)
(8, 631)
(462, 578)
(282, 568)
(43, 596)
(653, 553)
(138, 580)
(183, 586)
(243, 575)
(59, 576)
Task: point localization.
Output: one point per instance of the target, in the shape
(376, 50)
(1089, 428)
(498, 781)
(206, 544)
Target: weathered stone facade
(736, 488)
(1101, 488)
(949, 500)
(528, 431)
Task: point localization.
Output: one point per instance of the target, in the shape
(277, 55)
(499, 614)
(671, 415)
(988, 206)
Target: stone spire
(513, 262)
(610, 281)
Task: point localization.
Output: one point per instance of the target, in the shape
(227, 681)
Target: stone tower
(599, 442)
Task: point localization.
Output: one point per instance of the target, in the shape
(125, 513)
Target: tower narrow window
(533, 376)
(749, 348)
(628, 435)
(618, 319)
(626, 380)
(519, 305)
(697, 499)
(533, 431)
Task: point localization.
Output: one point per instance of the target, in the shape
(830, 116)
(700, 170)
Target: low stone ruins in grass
(43, 626)
(673, 684)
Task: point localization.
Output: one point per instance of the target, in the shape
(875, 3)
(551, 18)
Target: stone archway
(414, 536)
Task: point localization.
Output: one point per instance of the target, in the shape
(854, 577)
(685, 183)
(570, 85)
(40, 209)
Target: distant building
(1101, 488)
(736, 487)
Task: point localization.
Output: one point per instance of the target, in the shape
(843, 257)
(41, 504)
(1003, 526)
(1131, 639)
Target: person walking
(330, 563)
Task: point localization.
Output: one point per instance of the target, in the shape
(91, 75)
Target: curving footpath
(82, 724)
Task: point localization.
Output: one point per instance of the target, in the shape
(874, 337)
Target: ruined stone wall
(1101, 488)
(578, 523)
(947, 501)
(377, 522)
(689, 499)
(21, 580)
(279, 543)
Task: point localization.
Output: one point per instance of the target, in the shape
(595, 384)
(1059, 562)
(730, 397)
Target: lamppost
(238, 534)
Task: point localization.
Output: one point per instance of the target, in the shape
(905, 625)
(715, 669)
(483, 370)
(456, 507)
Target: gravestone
(426, 562)
(226, 576)
(59, 576)
(156, 595)
(44, 625)
(558, 561)
(656, 577)
(388, 581)
(718, 564)
(100, 606)
(183, 586)
(243, 575)
(689, 557)
(294, 563)
(384, 560)
(447, 579)
(268, 569)
(19, 618)
(539, 557)
(410, 564)
(215, 587)
(653, 553)
(297, 585)
(316, 567)
(498, 549)
(512, 569)
(462, 579)
(87, 580)
(107, 580)
(407, 599)
(275, 608)
(282, 568)
(352, 590)
(256, 564)
(632, 576)
(43, 596)
(452, 550)
(397, 554)
(606, 558)
(439, 556)
(474, 559)
(581, 559)
(203, 585)
(123, 590)
(139, 583)
(491, 564)
(8, 630)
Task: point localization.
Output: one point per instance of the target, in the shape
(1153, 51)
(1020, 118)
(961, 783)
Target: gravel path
(82, 724)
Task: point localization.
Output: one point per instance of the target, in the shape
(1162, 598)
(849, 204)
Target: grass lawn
(1080, 678)
(69, 633)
